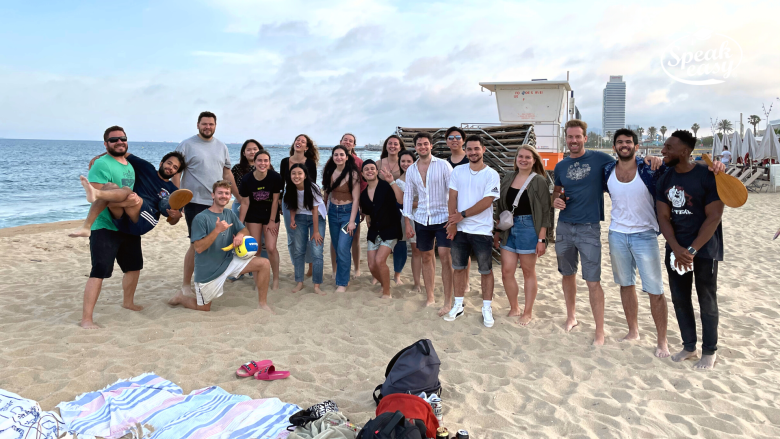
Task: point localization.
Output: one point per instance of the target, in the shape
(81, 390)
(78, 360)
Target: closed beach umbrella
(717, 145)
(736, 145)
(750, 146)
(770, 146)
(725, 143)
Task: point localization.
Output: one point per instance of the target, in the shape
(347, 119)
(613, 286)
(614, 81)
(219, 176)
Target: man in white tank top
(633, 236)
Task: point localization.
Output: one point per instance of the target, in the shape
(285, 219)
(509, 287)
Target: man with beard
(689, 214)
(633, 234)
(106, 243)
(136, 213)
(208, 161)
(212, 230)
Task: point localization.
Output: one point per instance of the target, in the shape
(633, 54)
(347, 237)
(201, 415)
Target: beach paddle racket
(179, 199)
(730, 190)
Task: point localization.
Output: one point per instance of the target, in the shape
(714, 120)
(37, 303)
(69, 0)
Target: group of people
(459, 205)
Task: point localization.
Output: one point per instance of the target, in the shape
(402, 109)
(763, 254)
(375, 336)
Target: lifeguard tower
(543, 104)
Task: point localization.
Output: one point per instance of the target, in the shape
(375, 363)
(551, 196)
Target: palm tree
(663, 132)
(609, 136)
(695, 128)
(639, 132)
(725, 127)
(754, 120)
(651, 132)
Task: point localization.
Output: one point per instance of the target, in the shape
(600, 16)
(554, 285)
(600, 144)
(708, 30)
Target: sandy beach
(507, 381)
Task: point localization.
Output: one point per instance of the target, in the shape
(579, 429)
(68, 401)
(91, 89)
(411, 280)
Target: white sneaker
(487, 316)
(455, 312)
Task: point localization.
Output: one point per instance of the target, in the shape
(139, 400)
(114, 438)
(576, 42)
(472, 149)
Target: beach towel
(23, 418)
(149, 406)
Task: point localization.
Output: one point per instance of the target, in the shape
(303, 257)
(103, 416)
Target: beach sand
(508, 381)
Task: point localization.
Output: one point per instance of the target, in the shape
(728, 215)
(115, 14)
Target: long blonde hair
(538, 166)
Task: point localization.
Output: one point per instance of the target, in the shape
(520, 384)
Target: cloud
(296, 28)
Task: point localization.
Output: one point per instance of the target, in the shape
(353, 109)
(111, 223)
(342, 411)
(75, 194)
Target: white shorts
(206, 292)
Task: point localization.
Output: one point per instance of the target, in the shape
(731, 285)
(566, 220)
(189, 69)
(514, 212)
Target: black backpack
(392, 426)
(413, 370)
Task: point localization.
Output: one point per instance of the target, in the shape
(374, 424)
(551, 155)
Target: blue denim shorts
(631, 251)
(522, 237)
(464, 244)
(575, 241)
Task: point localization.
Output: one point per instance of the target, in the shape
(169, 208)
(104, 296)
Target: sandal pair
(261, 370)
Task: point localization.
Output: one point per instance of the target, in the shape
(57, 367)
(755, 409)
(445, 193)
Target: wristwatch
(692, 251)
(463, 214)
(543, 240)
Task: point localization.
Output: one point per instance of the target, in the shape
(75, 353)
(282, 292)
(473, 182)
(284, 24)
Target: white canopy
(770, 146)
(736, 146)
(717, 145)
(750, 146)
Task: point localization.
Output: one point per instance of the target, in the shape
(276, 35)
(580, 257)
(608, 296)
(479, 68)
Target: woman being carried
(341, 184)
(303, 151)
(260, 207)
(405, 159)
(303, 200)
(526, 239)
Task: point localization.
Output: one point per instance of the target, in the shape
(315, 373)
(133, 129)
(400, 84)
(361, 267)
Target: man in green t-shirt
(106, 243)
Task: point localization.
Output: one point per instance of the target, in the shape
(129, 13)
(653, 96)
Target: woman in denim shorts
(526, 239)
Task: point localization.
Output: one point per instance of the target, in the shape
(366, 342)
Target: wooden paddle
(179, 199)
(730, 190)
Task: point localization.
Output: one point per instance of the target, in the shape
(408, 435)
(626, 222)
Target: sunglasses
(117, 139)
(454, 137)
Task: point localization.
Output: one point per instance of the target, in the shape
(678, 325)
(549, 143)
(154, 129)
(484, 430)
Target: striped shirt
(432, 197)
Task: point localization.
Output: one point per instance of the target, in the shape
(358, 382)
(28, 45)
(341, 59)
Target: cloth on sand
(23, 418)
(334, 425)
(149, 406)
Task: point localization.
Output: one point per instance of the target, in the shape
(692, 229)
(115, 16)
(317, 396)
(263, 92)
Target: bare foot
(132, 307)
(683, 355)
(397, 279)
(298, 287)
(598, 339)
(570, 324)
(524, 320)
(318, 290)
(386, 296)
(186, 290)
(176, 300)
(88, 188)
(662, 350)
(416, 289)
(88, 324)
(514, 312)
(630, 337)
(341, 289)
(356, 274)
(275, 285)
(264, 306)
(706, 362)
(374, 281)
(444, 309)
(430, 303)
(82, 232)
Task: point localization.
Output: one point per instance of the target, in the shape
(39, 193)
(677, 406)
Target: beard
(627, 158)
(672, 162)
(204, 135)
(164, 174)
(115, 153)
(474, 160)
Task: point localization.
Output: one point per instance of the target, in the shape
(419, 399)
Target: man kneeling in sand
(212, 230)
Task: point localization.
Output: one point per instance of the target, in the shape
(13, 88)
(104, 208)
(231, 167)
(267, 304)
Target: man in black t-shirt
(689, 216)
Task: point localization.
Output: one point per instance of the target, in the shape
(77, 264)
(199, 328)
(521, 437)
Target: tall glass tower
(613, 108)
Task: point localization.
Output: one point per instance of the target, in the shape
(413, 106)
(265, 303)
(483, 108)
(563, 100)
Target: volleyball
(247, 249)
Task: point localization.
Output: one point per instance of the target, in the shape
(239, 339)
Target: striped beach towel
(23, 418)
(149, 406)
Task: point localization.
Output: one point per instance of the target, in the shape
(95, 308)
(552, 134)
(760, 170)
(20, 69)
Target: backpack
(414, 408)
(413, 370)
(391, 426)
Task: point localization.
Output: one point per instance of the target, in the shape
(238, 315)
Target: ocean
(39, 179)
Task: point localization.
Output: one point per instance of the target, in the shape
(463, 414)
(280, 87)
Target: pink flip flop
(251, 368)
(270, 373)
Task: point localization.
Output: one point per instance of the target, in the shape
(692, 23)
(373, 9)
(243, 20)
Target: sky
(271, 70)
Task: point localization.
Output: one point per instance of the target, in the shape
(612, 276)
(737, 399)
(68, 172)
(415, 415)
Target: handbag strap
(522, 189)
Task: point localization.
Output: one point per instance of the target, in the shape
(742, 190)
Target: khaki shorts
(206, 292)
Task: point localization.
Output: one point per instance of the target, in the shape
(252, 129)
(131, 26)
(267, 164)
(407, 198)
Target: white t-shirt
(473, 187)
(318, 203)
(632, 206)
(725, 157)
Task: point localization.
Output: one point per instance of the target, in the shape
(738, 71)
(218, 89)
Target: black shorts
(482, 246)
(105, 246)
(147, 220)
(426, 235)
(261, 216)
(191, 210)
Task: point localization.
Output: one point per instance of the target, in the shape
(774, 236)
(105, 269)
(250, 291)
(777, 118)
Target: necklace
(480, 169)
